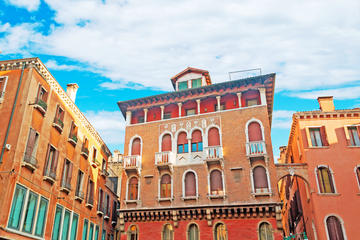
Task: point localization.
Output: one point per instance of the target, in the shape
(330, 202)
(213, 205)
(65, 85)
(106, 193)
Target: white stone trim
(161, 137)
(252, 177)
(317, 177)
(127, 188)
(356, 177)
(196, 182)
(159, 185)
(206, 142)
(247, 126)
(341, 223)
(222, 177)
(131, 142)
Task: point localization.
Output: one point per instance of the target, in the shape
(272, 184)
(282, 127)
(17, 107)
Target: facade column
(262, 96)
(128, 118)
(162, 112)
(198, 106)
(218, 102)
(239, 98)
(179, 104)
(145, 114)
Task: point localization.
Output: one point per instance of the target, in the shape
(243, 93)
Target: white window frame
(341, 223)
(332, 178)
(253, 183)
(131, 142)
(347, 134)
(2, 91)
(247, 128)
(196, 185)
(209, 182)
(159, 187)
(127, 189)
(70, 221)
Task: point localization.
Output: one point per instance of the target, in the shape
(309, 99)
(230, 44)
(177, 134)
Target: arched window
(133, 189)
(213, 137)
(196, 141)
(216, 183)
(133, 233)
(326, 184)
(265, 232)
(165, 186)
(193, 232)
(166, 143)
(260, 179)
(254, 132)
(334, 228)
(182, 143)
(136, 147)
(168, 232)
(190, 184)
(220, 232)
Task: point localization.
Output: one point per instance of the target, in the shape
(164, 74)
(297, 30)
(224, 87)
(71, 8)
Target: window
(90, 192)
(196, 83)
(357, 172)
(85, 229)
(79, 185)
(51, 162)
(91, 231)
(103, 165)
(41, 97)
(354, 135)
(133, 189)
(325, 180)
(31, 147)
(260, 180)
(166, 143)
(193, 232)
(167, 115)
(196, 141)
(59, 118)
(182, 85)
(168, 232)
(65, 224)
(132, 233)
(334, 228)
(265, 231)
(136, 147)
(216, 183)
(182, 143)
(67, 174)
(100, 201)
(213, 137)
(97, 229)
(103, 236)
(318, 137)
(107, 205)
(94, 154)
(189, 112)
(222, 107)
(140, 119)
(254, 132)
(190, 185)
(220, 232)
(3, 81)
(252, 102)
(73, 132)
(165, 186)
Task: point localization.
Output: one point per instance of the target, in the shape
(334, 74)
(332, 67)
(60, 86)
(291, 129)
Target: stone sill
(329, 194)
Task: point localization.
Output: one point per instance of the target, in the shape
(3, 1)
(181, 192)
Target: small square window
(182, 85)
(251, 102)
(315, 137)
(196, 83)
(190, 112)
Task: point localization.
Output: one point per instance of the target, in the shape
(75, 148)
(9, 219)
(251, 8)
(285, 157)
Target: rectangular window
(100, 200)
(103, 237)
(222, 107)
(196, 83)
(85, 229)
(315, 137)
(79, 185)
(107, 205)
(90, 192)
(251, 102)
(31, 147)
(197, 147)
(51, 162)
(140, 119)
(74, 226)
(65, 224)
(41, 98)
(190, 112)
(3, 82)
(57, 222)
(59, 117)
(182, 85)
(167, 115)
(183, 148)
(91, 231)
(30, 210)
(354, 136)
(73, 132)
(94, 154)
(96, 233)
(67, 174)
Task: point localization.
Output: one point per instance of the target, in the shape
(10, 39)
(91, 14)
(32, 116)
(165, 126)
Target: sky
(118, 50)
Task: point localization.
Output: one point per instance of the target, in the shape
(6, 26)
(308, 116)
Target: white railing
(255, 148)
(163, 158)
(214, 152)
(133, 161)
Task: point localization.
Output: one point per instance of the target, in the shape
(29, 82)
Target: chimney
(71, 90)
(326, 104)
(283, 150)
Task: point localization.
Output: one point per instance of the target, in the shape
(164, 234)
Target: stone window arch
(132, 233)
(182, 143)
(190, 185)
(168, 232)
(166, 143)
(335, 228)
(325, 180)
(216, 182)
(220, 231)
(260, 179)
(133, 189)
(165, 186)
(196, 141)
(193, 232)
(265, 231)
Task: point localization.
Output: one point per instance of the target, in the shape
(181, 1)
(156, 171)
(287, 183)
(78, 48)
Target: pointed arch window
(260, 179)
(193, 232)
(334, 228)
(136, 147)
(220, 232)
(182, 143)
(325, 180)
(166, 143)
(216, 183)
(190, 184)
(254, 132)
(168, 232)
(196, 141)
(133, 188)
(165, 186)
(265, 231)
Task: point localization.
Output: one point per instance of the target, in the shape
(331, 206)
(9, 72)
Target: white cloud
(30, 5)
(53, 65)
(110, 125)
(282, 119)
(339, 93)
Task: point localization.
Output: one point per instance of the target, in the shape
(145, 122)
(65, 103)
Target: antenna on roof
(236, 75)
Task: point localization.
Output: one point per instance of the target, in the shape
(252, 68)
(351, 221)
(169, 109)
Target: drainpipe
(12, 114)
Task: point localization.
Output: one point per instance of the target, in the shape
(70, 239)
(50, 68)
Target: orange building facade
(323, 200)
(53, 163)
(198, 162)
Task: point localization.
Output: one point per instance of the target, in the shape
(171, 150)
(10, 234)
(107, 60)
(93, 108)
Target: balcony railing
(79, 194)
(41, 105)
(30, 162)
(50, 175)
(85, 152)
(214, 152)
(58, 124)
(65, 186)
(256, 148)
(73, 139)
(164, 158)
(133, 161)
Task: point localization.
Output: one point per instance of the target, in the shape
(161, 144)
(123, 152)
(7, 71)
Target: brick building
(323, 200)
(198, 162)
(52, 163)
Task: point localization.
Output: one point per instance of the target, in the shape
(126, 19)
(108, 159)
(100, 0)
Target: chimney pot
(326, 103)
(71, 90)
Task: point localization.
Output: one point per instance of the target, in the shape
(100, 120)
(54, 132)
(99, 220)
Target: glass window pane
(57, 221)
(103, 237)
(74, 224)
(200, 144)
(183, 85)
(193, 147)
(186, 148)
(196, 83)
(91, 231)
(40, 222)
(96, 233)
(318, 137)
(30, 212)
(85, 229)
(17, 207)
(66, 223)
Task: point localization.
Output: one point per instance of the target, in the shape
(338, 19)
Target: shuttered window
(354, 133)
(213, 137)
(325, 180)
(334, 228)
(216, 183)
(182, 143)
(254, 132)
(166, 143)
(193, 232)
(220, 232)
(133, 233)
(133, 189)
(51, 162)
(136, 146)
(67, 174)
(265, 231)
(190, 185)
(31, 147)
(196, 141)
(260, 178)
(165, 186)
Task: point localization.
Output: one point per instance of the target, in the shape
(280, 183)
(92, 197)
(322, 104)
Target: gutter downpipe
(12, 114)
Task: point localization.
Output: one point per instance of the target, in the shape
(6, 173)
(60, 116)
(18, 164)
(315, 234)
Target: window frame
(72, 213)
(222, 183)
(182, 83)
(342, 224)
(35, 147)
(331, 179)
(190, 112)
(350, 137)
(160, 187)
(271, 229)
(253, 180)
(171, 237)
(49, 163)
(196, 80)
(214, 230)
(188, 230)
(128, 189)
(357, 174)
(3, 90)
(196, 186)
(129, 232)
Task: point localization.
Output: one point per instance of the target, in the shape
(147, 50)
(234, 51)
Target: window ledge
(72, 141)
(65, 189)
(57, 127)
(261, 194)
(106, 217)
(49, 179)
(89, 205)
(217, 196)
(80, 199)
(40, 109)
(322, 147)
(132, 201)
(190, 198)
(22, 233)
(165, 199)
(358, 194)
(353, 146)
(329, 194)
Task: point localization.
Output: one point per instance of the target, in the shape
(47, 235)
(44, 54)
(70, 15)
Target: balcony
(164, 160)
(65, 187)
(30, 162)
(104, 173)
(85, 152)
(94, 163)
(41, 106)
(58, 124)
(107, 215)
(255, 149)
(79, 195)
(132, 163)
(50, 176)
(89, 202)
(73, 140)
(100, 210)
(214, 155)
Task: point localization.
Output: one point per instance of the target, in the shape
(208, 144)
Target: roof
(189, 70)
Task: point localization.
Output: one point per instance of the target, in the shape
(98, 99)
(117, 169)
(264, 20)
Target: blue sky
(124, 49)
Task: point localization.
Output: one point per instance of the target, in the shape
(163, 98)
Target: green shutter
(91, 231)
(74, 224)
(65, 226)
(57, 221)
(30, 212)
(196, 83)
(85, 228)
(103, 237)
(40, 222)
(96, 233)
(17, 207)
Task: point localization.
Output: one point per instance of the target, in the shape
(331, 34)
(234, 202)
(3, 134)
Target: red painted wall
(250, 95)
